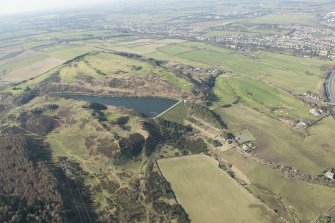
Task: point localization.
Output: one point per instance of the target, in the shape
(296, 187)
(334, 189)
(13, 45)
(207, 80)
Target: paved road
(329, 87)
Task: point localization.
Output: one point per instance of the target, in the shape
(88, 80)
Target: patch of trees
(28, 191)
(123, 120)
(326, 219)
(214, 142)
(179, 136)
(36, 123)
(77, 198)
(97, 106)
(154, 137)
(44, 86)
(28, 95)
(194, 146)
(78, 58)
(129, 208)
(132, 146)
(37, 110)
(101, 145)
(173, 130)
(115, 82)
(157, 190)
(100, 116)
(110, 185)
(175, 211)
(52, 106)
(207, 115)
(141, 58)
(84, 77)
(136, 68)
(204, 87)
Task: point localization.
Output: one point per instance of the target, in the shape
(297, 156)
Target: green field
(9, 67)
(259, 96)
(69, 52)
(209, 194)
(293, 199)
(285, 19)
(314, 148)
(297, 74)
(177, 114)
(174, 50)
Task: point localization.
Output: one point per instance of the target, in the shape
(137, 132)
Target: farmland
(259, 96)
(269, 134)
(282, 70)
(289, 18)
(251, 139)
(298, 201)
(209, 194)
(26, 65)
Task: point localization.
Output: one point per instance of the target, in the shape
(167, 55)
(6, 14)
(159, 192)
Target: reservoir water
(146, 105)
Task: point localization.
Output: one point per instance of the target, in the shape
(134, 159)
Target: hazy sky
(17, 6)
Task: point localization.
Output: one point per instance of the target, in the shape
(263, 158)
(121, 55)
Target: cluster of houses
(316, 111)
(311, 95)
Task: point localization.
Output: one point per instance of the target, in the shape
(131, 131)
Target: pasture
(177, 114)
(283, 145)
(27, 61)
(288, 72)
(18, 55)
(26, 65)
(285, 19)
(260, 96)
(68, 52)
(293, 199)
(31, 71)
(208, 194)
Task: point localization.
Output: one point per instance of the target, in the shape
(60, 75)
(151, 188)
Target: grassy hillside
(297, 201)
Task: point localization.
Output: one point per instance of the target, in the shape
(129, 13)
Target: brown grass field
(31, 71)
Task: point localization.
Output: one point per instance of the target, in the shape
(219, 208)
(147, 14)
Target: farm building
(315, 112)
(244, 136)
(330, 174)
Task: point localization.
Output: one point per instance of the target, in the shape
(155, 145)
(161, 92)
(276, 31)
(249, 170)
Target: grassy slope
(304, 199)
(258, 95)
(213, 197)
(109, 64)
(280, 144)
(177, 114)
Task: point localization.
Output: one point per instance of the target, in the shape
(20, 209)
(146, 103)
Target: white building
(329, 174)
(315, 112)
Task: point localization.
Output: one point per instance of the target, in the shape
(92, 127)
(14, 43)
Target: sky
(19, 6)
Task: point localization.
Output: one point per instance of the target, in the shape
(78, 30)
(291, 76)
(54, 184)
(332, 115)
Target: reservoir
(146, 105)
